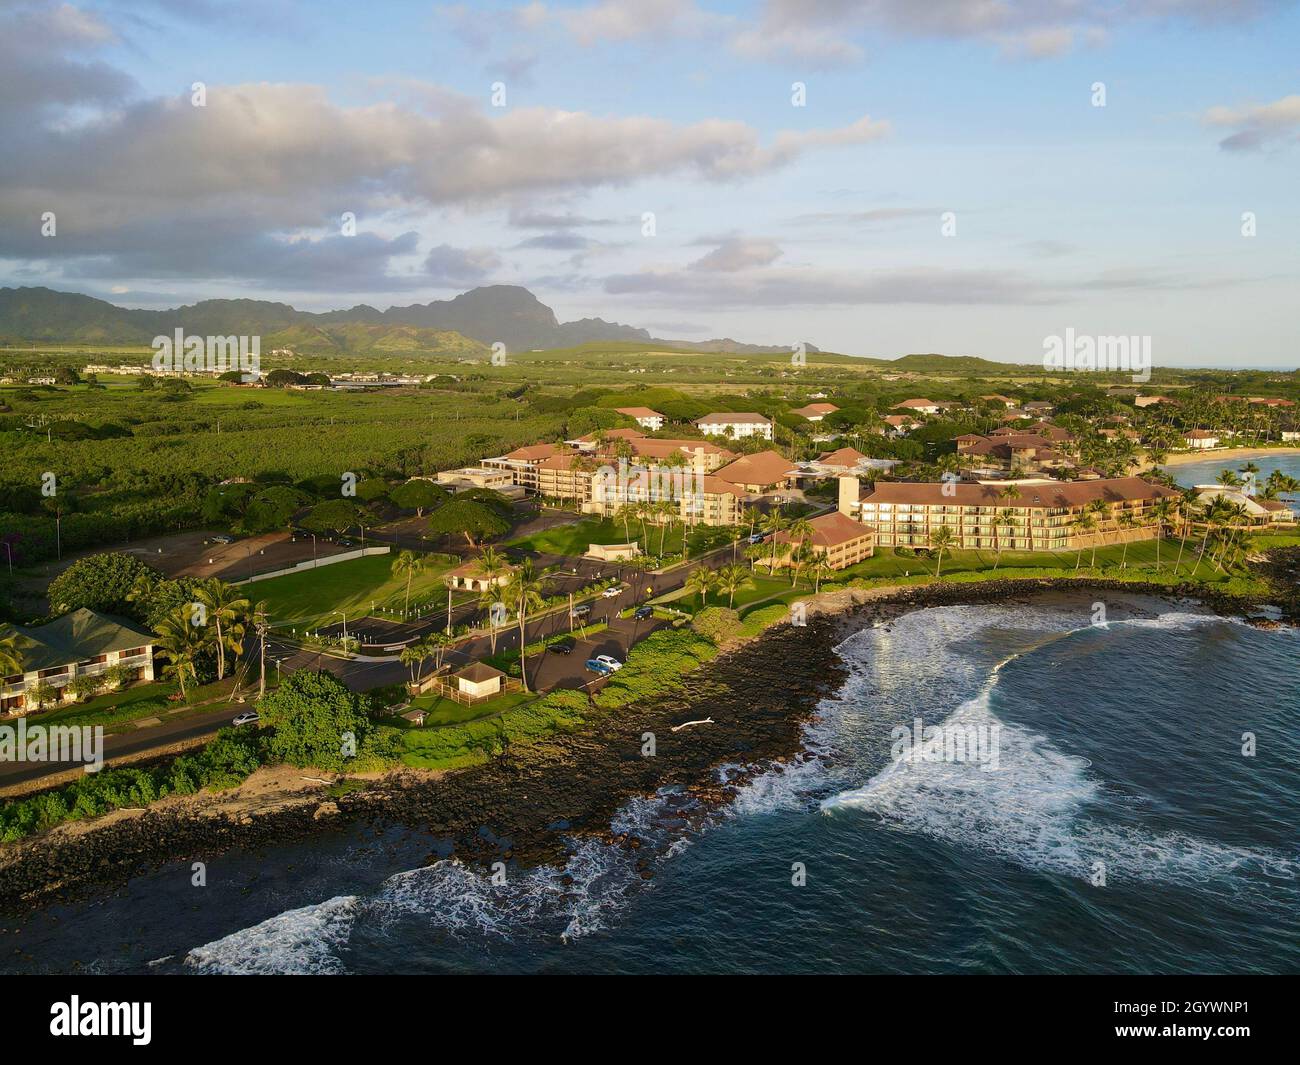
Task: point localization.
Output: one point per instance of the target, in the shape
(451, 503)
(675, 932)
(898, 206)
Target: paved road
(546, 669)
(124, 744)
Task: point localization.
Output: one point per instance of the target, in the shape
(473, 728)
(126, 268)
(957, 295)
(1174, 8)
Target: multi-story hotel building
(736, 425)
(907, 514)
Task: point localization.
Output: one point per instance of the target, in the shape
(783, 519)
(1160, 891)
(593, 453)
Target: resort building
(736, 426)
(468, 477)
(83, 643)
(522, 463)
(1201, 439)
(919, 406)
(648, 419)
(1044, 515)
(764, 471)
(469, 577)
(1259, 511)
(899, 424)
(815, 412)
(840, 540)
(1009, 450)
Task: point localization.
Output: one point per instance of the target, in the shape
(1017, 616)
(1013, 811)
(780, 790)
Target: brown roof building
(1044, 513)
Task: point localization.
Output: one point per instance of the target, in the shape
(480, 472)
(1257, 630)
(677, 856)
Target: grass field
(309, 599)
(442, 711)
(576, 539)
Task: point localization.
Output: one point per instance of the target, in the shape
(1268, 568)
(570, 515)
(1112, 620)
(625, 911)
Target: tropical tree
(800, 531)
(754, 552)
(524, 593)
(730, 579)
(701, 581)
(181, 643)
(11, 658)
(1126, 521)
(773, 523)
(409, 563)
(1162, 511)
(942, 539)
(1005, 519)
(227, 608)
(1083, 524)
(820, 570)
(1101, 512)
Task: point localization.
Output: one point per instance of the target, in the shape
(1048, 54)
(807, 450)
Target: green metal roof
(75, 637)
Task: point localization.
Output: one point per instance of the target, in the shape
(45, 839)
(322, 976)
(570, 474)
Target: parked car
(248, 717)
(610, 663)
(755, 538)
(612, 592)
(564, 646)
(222, 538)
(643, 612)
(581, 610)
(345, 543)
(594, 665)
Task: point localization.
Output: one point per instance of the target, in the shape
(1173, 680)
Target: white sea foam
(297, 942)
(1042, 809)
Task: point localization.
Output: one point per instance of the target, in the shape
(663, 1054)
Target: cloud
(46, 61)
(460, 265)
(1257, 126)
(738, 253)
(824, 33)
(812, 288)
(530, 219)
(874, 216)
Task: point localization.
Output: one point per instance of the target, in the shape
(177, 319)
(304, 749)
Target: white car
(612, 664)
(248, 717)
(611, 593)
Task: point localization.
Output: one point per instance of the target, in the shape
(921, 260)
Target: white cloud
(1258, 125)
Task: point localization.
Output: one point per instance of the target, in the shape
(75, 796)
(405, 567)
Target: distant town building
(648, 419)
(735, 425)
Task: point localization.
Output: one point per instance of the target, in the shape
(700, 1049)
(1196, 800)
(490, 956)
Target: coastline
(1230, 454)
(759, 694)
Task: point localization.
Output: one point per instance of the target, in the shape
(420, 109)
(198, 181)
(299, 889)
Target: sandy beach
(1227, 454)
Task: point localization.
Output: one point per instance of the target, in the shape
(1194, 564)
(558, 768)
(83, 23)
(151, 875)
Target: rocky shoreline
(523, 805)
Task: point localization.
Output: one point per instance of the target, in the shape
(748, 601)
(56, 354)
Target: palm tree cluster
(213, 626)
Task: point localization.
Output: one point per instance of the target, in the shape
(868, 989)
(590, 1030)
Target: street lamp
(345, 624)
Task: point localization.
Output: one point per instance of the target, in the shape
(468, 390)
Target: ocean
(1207, 472)
(1139, 814)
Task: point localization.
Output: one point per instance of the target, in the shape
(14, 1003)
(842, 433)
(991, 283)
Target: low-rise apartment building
(737, 426)
(83, 643)
(1045, 514)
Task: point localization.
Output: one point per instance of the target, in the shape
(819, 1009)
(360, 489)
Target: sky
(879, 177)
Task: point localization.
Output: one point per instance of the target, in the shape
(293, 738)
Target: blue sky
(773, 223)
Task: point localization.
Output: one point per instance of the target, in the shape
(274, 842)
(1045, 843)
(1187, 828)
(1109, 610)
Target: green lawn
(576, 539)
(759, 587)
(442, 711)
(117, 711)
(1141, 561)
(308, 599)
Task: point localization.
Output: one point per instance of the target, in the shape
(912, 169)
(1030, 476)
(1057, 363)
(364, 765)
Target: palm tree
(1125, 521)
(801, 532)
(754, 552)
(1102, 511)
(524, 592)
(438, 643)
(488, 598)
(750, 515)
(226, 608)
(774, 523)
(1213, 515)
(1188, 509)
(411, 656)
(943, 538)
(820, 570)
(1082, 524)
(730, 579)
(625, 514)
(11, 658)
(181, 643)
(701, 581)
(1006, 519)
(410, 563)
(1163, 513)
(668, 512)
